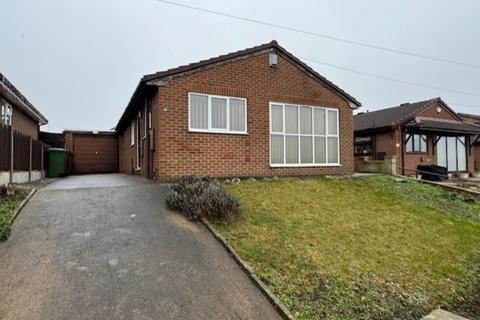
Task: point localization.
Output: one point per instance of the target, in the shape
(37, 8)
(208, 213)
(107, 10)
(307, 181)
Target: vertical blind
(452, 153)
(217, 113)
(198, 111)
(303, 135)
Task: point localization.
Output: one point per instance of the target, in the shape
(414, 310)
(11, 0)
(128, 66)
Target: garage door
(94, 153)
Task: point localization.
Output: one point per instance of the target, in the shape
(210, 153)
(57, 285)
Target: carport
(92, 151)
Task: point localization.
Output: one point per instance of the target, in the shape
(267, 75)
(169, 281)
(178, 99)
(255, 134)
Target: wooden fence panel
(21, 151)
(27, 152)
(4, 147)
(36, 155)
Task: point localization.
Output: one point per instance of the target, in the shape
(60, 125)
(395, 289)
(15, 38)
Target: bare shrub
(198, 197)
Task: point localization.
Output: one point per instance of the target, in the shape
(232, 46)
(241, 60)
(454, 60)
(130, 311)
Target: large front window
(303, 136)
(219, 114)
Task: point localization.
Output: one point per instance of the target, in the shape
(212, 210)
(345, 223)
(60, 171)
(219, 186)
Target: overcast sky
(79, 61)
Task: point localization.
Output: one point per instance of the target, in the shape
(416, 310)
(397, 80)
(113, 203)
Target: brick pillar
(390, 165)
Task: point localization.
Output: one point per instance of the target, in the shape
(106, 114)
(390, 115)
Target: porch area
(440, 142)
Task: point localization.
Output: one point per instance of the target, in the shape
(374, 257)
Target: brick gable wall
(433, 113)
(179, 152)
(21, 122)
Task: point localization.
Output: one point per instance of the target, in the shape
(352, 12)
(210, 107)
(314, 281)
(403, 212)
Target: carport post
(30, 161)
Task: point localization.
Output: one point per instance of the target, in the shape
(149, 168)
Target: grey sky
(79, 61)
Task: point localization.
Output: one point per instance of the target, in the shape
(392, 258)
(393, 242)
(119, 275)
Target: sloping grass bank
(365, 248)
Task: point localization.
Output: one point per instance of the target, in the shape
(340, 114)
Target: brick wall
(127, 152)
(433, 112)
(476, 157)
(412, 160)
(386, 142)
(21, 122)
(179, 152)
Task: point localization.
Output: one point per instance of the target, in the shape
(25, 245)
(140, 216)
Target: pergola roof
(443, 126)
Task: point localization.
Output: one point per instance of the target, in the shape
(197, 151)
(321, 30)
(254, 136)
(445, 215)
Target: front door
(452, 153)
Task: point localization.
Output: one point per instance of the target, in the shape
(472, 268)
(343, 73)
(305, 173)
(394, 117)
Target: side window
(416, 143)
(7, 114)
(363, 145)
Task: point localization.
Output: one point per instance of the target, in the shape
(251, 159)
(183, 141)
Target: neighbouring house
(17, 111)
(255, 112)
(21, 154)
(419, 133)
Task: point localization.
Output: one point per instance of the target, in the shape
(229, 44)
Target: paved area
(440, 314)
(105, 247)
(97, 181)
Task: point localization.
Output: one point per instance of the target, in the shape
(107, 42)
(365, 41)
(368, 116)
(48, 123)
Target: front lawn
(364, 248)
(8, 204)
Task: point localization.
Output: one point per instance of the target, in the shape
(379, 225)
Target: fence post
(30, 160)
(11, 154)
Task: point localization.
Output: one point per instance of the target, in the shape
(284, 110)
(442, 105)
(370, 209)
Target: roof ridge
(397, 106)
(272, 43)
(417, 110)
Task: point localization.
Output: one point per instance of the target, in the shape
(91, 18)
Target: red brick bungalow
(425, 132)
(254, 112)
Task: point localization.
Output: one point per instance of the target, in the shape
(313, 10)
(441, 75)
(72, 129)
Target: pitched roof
(390, 117)
(147, 79)
(469, 115)
(442, 125)
(12, 93)
(270, 45)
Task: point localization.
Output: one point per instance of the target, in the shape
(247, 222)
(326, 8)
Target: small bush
(4, 229)
(198, 197)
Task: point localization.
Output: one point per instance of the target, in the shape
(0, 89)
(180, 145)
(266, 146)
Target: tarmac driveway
(105, 247)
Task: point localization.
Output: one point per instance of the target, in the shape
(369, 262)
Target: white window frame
(410, 137)
(7, 110)
(313, 135)
(132, 133)
(214, 130)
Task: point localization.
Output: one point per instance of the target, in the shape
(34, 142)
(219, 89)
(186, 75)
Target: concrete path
(105, 247)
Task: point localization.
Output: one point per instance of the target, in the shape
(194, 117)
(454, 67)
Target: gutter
(23, 105)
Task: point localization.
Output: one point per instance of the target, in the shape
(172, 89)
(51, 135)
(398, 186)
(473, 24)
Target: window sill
(416, 153)
(218, 132)
(305, 165)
